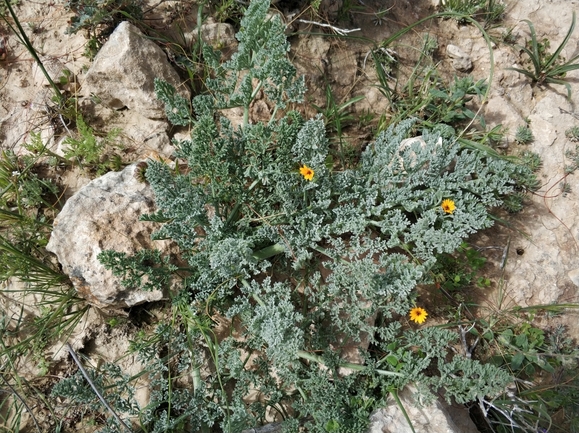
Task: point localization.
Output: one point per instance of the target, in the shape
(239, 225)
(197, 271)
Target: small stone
(574, 276)
(221, 37)
(460, 60)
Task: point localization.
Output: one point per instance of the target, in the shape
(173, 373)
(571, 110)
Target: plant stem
(356, 367)
(246, 107)
(21, 34)
(94, 388)
(268, 252)
(394, 393)
(21, 401)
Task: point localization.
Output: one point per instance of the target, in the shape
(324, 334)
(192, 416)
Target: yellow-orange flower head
(306, 172)
(448, 206)
(418, 315)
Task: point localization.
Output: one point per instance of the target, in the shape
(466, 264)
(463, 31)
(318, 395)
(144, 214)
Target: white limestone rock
(103, 215)
(123, 73)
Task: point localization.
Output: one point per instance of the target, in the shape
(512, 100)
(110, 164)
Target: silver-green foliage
(524, 135)
(302, 266)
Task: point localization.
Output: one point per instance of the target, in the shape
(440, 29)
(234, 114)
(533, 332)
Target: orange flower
(306, 172)
(448, 206)
(418, 315)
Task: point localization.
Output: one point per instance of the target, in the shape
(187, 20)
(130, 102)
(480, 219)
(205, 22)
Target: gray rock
(124, 69)
(438, 417)
(542, 119)
(344, 69)
(330, 9)
(103, 215)
(221, 36)
(460, 60)
(574, 276)
(311, 56)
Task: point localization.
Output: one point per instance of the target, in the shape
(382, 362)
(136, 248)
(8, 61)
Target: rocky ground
(533, 255)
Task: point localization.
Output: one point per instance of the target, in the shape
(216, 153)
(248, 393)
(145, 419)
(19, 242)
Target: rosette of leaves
(306, 268)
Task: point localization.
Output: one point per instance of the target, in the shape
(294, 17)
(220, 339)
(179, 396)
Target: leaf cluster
(27, 206)
(457, 271)
(301, 267)
(91, 152)
(116, 387)
(146, 269)
(529, 405)
(524, 135)
(547, 68)
(491, 11)
(424, 94)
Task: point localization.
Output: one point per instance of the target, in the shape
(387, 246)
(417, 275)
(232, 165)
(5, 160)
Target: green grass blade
(350, 102)
(524, 72)
(535, 54)
(550, 80)
(563, 69)
(383, 87)
(394, 393)
(555, 56)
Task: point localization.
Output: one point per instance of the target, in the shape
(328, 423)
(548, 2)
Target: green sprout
(548, 68)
